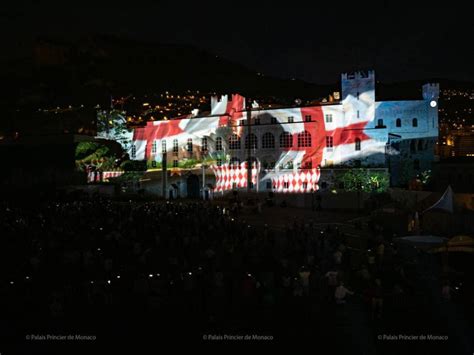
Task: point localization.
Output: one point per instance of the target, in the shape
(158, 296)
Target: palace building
(290, 149)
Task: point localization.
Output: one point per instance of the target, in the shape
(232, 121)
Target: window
(133, 152)
(175, 146)
(153, 164)
(257, 121)
(251, 141)
(328, 118)
(398, 122)
(415, 122)
(290, 119)
(190, 145)
(358, 114)
(175, 163)
(416, 164)
(286, 140)
(234, 163)
(153, 148)
(269, 184)
(204, 144)
(218, 143)
(304, 139)
(163, 146)
(308, 118)
(286, 185)
(329, 142)
(219, 162)
(234, 141)
(273, 120)
(268, 141)
(357, 144)
(380, 122)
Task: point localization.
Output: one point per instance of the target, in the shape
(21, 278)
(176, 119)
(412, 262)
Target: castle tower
(360, 85)
(431, 92)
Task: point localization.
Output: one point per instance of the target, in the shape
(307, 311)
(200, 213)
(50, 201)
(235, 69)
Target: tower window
(175, 146)
(357, 144)
(328, 118)
(329, 142)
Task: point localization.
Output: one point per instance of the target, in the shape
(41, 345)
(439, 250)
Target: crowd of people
(198, 266)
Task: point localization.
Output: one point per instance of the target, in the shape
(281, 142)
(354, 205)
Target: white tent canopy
(445, 203)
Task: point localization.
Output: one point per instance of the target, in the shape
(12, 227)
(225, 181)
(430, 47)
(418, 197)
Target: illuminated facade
(290, 147)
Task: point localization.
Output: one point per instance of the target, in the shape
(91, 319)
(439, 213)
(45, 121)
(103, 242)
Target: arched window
(234, 141)
(286, 140)
(398, 122)
(268, 140)
(304, 139)
(251, 141)
(357, 144)
(415, 122)
(218, 143)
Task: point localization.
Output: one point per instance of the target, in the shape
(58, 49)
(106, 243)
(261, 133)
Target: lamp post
(249, 151)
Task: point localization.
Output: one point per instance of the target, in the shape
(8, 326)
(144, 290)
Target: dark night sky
(314, 42)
